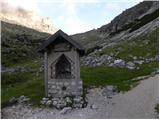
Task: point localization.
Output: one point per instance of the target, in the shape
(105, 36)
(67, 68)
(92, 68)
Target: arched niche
(62, 68)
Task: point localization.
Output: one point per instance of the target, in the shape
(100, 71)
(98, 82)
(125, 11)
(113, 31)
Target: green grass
(31, 84)
(19, 43)
(120, 77)
(157, 108)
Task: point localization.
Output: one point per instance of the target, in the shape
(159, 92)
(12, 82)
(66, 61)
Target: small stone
(45, 99)
(43, 102)
(110, 87)
(13, 100)
(130, 64)
(93, 106)
(60, 105)
(22, 97)
(77, 99)
(65, 110)
(68, 100)
(109, 91)
(134, 57)
(119, 62)
(130, 67)
(79, 105)
(139, 62)
(55, 103)
(26, 99)
(49, 102)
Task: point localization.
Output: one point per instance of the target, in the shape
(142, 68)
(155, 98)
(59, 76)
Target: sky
(76, 16)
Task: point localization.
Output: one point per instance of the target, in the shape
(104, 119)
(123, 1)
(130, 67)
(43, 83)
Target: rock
(49, 103)
(138, 62)
(13, 100)
(23, 99)
(61, 104)
(65, 110)
(77, 99)
(131, 68)
(68, 100)
(130, 64)
(109, 91)
(140, 78)
(93, 106)
(26, 99)
(78, 105)
(45, 99)
(119, 62)
(43, 102)
(54, 103)
(135, 58)
(110, 87)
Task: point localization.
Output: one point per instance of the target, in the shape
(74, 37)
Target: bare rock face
(130, 15)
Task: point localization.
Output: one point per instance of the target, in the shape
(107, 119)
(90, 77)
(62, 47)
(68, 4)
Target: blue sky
(76, 16)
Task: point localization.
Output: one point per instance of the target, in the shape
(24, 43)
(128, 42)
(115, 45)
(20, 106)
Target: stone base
(68, 101)
(62, 88)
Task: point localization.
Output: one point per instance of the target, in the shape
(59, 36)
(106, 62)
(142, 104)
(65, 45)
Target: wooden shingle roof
(53, 38)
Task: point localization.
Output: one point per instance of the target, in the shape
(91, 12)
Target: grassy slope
(31, 83)
(142, 46)
(19, 43)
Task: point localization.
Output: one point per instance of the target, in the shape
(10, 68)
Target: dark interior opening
(63, 68)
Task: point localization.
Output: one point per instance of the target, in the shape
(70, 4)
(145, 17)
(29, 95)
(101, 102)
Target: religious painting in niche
(63, 68)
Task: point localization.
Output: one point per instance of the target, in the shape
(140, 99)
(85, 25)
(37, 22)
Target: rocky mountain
(131, 18)
(28, 18)
(128, 41)
(118, 43)
(130, 15)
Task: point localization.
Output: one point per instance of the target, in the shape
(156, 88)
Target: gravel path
(137, 103)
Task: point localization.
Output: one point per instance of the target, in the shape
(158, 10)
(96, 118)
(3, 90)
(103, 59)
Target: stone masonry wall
(64, 87)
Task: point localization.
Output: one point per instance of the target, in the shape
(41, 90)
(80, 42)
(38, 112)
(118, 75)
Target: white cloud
(25, 4)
